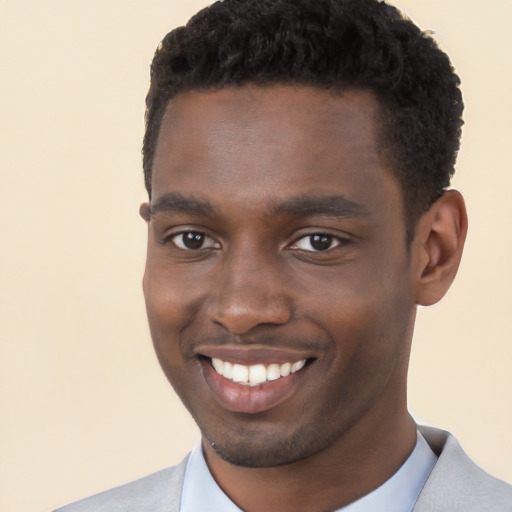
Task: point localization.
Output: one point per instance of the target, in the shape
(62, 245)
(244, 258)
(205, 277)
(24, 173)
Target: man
(297, 157)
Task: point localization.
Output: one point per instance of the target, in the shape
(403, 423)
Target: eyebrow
(173, 202)
(334, 205)
(328, 206)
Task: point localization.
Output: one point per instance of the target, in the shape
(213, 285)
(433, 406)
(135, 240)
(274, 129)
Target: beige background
(83, 404)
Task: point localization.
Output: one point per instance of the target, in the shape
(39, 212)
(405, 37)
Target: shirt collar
(200, 491)
(398, 494)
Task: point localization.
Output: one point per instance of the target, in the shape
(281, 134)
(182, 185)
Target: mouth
(257, 385)
(255, 374)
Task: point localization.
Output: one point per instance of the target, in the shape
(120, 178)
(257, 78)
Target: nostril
(241, 317)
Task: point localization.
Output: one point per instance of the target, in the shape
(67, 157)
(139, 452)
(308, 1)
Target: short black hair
(331, 44)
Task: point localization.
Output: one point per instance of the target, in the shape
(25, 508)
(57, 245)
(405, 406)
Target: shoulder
(457, 483)
(158, 492)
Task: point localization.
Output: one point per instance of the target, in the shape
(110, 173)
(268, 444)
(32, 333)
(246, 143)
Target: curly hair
(331, 44)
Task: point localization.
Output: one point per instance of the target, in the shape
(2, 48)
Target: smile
(255, 374)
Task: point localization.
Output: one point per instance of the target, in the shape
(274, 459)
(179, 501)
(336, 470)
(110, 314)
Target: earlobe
(437, 247)
(145, 212)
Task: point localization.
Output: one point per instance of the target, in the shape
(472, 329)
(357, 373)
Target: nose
(250, 292)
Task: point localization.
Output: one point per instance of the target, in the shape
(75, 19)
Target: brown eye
(193, 240)
(321, 242)
(316, 243)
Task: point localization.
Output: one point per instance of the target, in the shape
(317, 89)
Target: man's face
(277, 240)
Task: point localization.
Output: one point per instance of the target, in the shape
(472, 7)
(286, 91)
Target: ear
(437, 247)
(145, 211)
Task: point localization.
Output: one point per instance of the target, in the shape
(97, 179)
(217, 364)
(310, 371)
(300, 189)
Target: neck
(358, 462)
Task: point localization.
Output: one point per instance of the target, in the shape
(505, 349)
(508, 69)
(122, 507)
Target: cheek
(167, 292)
(367, 341)
(165, 308)
(167, 314)
(367, 312)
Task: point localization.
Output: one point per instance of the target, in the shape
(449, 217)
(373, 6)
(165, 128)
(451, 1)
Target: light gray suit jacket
(456, 484)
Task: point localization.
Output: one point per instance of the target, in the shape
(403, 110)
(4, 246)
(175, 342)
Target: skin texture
(253, 173)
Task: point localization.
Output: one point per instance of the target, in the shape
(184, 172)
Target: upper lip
(249, 355)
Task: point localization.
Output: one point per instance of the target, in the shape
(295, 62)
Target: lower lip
(249, 399)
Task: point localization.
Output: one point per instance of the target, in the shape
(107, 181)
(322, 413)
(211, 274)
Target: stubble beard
(253, 450)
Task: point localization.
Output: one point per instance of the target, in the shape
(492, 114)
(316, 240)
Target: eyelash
(318, 238)
(311, 238)
(194, 237)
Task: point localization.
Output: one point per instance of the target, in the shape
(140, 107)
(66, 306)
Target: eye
(317, 242)
(193, 241)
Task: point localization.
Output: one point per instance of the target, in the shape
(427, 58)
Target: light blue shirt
(398, 494)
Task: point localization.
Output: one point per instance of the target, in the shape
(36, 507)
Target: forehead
(264, 143)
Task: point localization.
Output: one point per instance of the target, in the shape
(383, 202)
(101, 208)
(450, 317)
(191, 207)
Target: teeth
(218, 365)
(285, 369)
(273, 372)
(240, 373)
(227, 370)
(297, 366)
(257, 373)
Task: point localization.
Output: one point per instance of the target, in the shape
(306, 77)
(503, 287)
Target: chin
(253, 450)
(260, 457)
